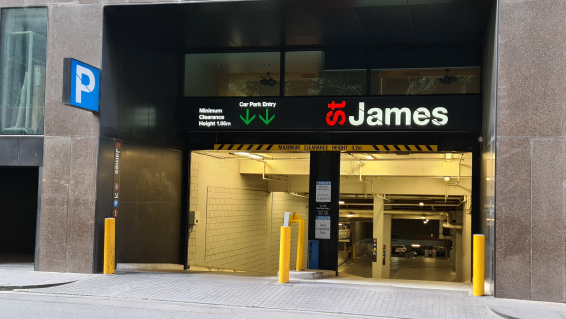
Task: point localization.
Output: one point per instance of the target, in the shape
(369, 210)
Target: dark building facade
(502, 59)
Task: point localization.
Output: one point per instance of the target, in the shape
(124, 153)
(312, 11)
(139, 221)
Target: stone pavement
(11, 279)
(265, 292)
(521, 309)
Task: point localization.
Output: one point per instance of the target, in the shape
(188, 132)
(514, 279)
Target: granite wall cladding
(70, 153)
(530, 158)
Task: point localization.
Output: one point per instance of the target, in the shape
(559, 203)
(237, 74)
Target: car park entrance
(415, 206)
(264, 123)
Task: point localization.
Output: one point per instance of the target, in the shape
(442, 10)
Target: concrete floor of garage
(429, 269)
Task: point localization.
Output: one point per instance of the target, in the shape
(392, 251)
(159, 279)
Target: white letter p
(80, 87)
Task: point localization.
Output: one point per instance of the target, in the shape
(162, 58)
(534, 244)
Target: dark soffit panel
(274, 23)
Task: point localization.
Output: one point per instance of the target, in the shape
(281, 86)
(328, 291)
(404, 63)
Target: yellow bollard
(284, 254)
(479, 265)
(109, 245)
(301, 242)
(353, 251)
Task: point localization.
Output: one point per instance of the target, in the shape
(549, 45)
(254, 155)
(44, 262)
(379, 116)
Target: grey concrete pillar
(378, 216)
(386, 237)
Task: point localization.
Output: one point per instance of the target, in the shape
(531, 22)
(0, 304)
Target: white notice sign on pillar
(322, 227)
(323, 192)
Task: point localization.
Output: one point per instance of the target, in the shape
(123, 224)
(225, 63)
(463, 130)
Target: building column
(325, 167)
(386, 231)
(377, 249)
(70, 156)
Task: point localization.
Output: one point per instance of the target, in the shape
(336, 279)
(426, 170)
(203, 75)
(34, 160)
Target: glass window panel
(324, 73)
(232, 74)
(426, 81)
(23, 36)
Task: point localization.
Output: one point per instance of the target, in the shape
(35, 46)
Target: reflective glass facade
(426, 81)
(361, 71)
(326, 73)
(232, 74)
(23, 44)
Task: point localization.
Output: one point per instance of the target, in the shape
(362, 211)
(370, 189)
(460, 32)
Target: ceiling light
(447, 178)
(341, 202)
(370, 156)
(448, 157)
(423, 217)
(350, 215)
(242, 153)
(421, 204)
(267, 80)
(256, 156)
(416, 245)
(448, 78)
(339, 224)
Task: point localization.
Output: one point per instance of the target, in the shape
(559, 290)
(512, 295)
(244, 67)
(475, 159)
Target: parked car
(400, 249)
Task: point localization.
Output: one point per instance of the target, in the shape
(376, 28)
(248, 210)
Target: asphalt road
(26, 305)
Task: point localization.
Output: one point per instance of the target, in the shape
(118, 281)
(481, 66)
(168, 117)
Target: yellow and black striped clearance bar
(325, 148)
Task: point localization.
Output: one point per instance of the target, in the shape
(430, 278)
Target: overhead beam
(382, 185)
(415, 167)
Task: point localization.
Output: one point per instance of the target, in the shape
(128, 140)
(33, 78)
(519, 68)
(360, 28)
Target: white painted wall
(217, 187)
(283, 202)
(236, 229)
(239, 223)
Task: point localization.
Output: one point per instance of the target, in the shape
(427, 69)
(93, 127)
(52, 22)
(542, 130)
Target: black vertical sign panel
(325, 166)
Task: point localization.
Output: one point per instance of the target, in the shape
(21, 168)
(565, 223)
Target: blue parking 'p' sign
(81, 85)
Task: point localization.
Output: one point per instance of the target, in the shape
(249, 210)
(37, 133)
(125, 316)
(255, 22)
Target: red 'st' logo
(333, 117)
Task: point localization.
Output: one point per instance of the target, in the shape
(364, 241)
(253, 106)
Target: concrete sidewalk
(338, 295)
(522, 309)
(25, 279)
(264, 292)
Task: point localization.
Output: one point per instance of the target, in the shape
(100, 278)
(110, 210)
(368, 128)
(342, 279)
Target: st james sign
(395, 113)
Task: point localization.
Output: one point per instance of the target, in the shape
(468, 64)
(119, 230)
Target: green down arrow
(266, 120)
(247, 120)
